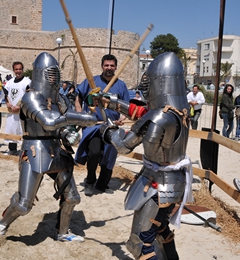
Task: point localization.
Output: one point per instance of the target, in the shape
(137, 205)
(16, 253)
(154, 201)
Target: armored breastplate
(34, 103)
(166, 137)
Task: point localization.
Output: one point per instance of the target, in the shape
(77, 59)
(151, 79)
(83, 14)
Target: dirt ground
(101, 219)
(104, 223)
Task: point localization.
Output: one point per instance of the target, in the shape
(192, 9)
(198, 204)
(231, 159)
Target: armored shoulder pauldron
(156, 115)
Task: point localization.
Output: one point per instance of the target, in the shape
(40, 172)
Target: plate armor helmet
(166, 85)
(46, 76)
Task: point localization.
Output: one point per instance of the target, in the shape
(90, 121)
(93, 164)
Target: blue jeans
(227, 125)
(237, 127)
(194, 119)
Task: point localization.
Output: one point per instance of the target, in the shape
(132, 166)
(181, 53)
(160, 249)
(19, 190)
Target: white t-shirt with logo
(15, 94)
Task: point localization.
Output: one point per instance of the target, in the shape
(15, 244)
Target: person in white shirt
(196, 100)
(14, 90)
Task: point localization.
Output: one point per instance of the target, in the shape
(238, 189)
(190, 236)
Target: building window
(207, 69)
(206, 46)
(14, 19)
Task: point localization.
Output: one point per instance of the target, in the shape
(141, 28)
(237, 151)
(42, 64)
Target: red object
(155, 185)
(4, 212)
(135, 111)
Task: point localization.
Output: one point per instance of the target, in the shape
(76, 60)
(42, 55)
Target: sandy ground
(102, 220)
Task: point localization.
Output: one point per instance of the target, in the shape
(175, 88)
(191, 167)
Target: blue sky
(188, 20)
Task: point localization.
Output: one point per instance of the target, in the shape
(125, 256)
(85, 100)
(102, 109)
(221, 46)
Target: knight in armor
(46, 147)
(166, 176)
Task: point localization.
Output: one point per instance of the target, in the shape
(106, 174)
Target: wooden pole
(10, 137)
(4, 110)
(79, 48)
(111, 28)
(129, 57)
(219, 56)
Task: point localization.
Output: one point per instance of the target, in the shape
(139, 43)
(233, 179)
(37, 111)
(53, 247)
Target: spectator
(237, 113)
(221, 85)
(186, 88)
(71, 95)
(8, 77)
(14, 90)
(144, 86)
(92, 150)
(226, 110)
(196, 100)
(64, 88)
(1, 98)
(137, 95)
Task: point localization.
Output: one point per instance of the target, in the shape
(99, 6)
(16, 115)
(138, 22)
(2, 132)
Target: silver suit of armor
(46, 116)
(163, 132)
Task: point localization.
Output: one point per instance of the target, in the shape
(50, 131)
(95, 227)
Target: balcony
(224, 49)
(227, 49)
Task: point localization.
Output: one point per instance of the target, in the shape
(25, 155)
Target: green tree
(165, 43)
(185, 59)
(74, 68)
(28, 73)
(225, 71)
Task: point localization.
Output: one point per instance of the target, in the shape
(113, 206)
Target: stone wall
(25, 45)
(24, 40)
(27, 12)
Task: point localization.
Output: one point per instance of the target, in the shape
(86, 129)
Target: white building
(207, 50)
(144, 62)
(191, 55)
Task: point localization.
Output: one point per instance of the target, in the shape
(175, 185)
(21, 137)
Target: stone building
(22, 39)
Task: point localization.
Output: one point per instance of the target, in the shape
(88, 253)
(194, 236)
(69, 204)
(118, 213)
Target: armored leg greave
(22, 201)
(149, 223)
(70, 198)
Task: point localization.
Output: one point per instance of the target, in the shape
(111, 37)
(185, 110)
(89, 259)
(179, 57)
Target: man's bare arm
(78, 104)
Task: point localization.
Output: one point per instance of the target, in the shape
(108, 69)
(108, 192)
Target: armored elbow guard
(119, 142)
(107, 132)
(136, 112)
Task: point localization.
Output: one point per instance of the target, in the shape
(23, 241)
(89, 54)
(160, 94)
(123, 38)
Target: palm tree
(185, 59)
(225, 70)
(73, 72)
